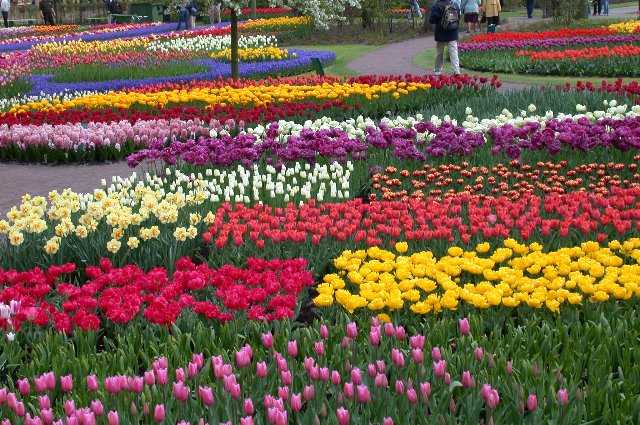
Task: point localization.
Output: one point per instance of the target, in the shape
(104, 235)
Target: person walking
(183, 14)
(597, 7)
(5, 5)
(471, 10)
(605, 7)
(531, 4)
(48, 12)
(445, 16)
(491, 10)
(215, 14)
(414, 10)
(193, 12)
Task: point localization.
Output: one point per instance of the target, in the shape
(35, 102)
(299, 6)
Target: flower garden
(304, 249)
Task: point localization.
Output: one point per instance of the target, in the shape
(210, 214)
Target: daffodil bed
(316, 250)
(605, 51)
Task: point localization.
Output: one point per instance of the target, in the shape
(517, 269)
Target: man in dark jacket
(48, 12)
(443, 17)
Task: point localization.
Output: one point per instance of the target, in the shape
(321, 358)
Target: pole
(254, 9)
(234, 45)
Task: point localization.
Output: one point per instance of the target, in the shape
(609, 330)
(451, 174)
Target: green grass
(14, 89)
(345, 53)
(99, 72)
(427, 59)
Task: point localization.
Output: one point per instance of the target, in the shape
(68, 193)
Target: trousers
(453, 55)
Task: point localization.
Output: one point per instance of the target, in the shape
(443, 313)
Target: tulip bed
(610, 51)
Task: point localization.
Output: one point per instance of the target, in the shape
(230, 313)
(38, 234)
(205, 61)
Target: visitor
(530, 6)
(114, 7)
(414, 10)
(597, 7)
(445, 16)
(471, 10)
(605, 7)
(48, 12)
(5, 5)
(215, 15)
(491, 10)
(183, 14)
(193, 12)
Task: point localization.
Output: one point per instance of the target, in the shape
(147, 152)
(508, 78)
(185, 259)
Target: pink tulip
(492, 218)
(113, 418)
(532, 402)
(235, 391)
(387, 421)
(399, 386)
(425, 390)
(356, 376)
(478, 353)
(92, 383)
(401, 333)
(162, 376)
(66, 383)
(435, 354)
(324, 331)
(563, 396)
(352, 330)
(5, 422)
(417, 341)
(467, 379)
(180, 375)
(180, 391)
(464, 326)
(247, 420)
(318, 347)
(19, 409)
(308, 363)
(447, 378)
(192, 369)
(136, 384)
(267, 340)
(374, 336)
(24, 387)
(343, 416)
(47, 416)
(243, 357)
(389, 330)
(286, 376)
(324, 374)
(509, 367)
(3, 396)
(292, 348)
(160, 363)
(412, 396)
(283, 393)
(261, 369)
(69, 407)
(309, 392)
(417, 355)
(206, 395)
(397, 357)
(348, 390)
(97, 408)
(50, 379)
(149, 378)
(380, 365)
(346, 342)
(335, 377)
(247, 406)
(381, 381)
(439, 368)
(364, 396)
(371, 370)
(158, 413)
(198, 359)
(296, 402)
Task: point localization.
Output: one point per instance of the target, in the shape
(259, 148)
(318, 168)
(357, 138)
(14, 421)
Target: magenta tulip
(425, 390)
(247, 420)
(318, 347)
(467, 379)
(417, 341)
(97, 408)
(532, 402)
(296, 402)
(348, 390)
(412, 396)
(364, 396)
(324, 331)
(247, 406)
(356, 376)
(43, 401)
(24, 387)
(206, 395)
(149, 377)
(563, 397)
(417, 355)
(381, 381)
(113, 418)
(309, 392)
(343, 416)
(158, 413)
(435, 354)
(292, 348)
(387, 421)
(261, 369)
(352, 330)
(464, 326)
(440, 368)
(478, 353)
(66, 383)
(399, 386)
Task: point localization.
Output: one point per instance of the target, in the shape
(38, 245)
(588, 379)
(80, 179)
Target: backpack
(450, 17)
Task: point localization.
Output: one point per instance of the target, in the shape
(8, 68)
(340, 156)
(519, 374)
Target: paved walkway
(18, 179)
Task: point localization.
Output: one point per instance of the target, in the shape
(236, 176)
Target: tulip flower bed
(603, 51)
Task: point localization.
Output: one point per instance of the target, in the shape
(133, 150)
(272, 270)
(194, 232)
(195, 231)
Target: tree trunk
(254, 11)
(234, 45)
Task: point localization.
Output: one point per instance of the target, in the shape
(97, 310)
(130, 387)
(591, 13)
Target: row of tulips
(511, 179)
(264, 290)
(478, 368)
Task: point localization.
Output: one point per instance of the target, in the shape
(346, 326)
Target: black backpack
(450, 17)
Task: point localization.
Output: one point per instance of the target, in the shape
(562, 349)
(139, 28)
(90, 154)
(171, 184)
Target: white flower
(11, 337)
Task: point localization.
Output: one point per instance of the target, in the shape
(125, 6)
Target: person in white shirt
(5, 5)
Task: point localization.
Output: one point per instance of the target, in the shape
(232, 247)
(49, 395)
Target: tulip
(247, 420)
(206, 395)
(324, 374)
(24, 387)
(97, 408)
(387, 421)
(69, 407)
(324, 331)
(374, 336)
(43, 401)
(447, 378)
(235, 391)
(180, 391)
(467, 379)
(158, 413)
(136, 384)
(192, 369)
(19, 409)
(47, 416)
(371, 370)
(425, 390)
(439, 368)
(162, 376)
(412, 396)
(464, 327)
(286, 376)
(113, 418)
(243, 357)
(296, 402)
(397, 357)
(335, 377)
(389, 330)
(283, 393)
(348, 389)
(417, 341)
(318, 347)
(292, 348)
(509, 367)
(247, 406)
(417, 355)
(66, 383)
(401, 333)
(380, 365)
(180, 375)
(267, 340)
(532, 402)
(364, 396)
(346, 341)
(343, 416)
(356, 376)
(352, 330)
(478, 353)
(149, 378)
(381, 381)
(309, 392)
(435, 354)
(399, 386)
(261, 369)
(563, 397)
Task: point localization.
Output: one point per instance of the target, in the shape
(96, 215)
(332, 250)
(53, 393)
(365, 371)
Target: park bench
(22, 22)
(98, 20)
(122, 18)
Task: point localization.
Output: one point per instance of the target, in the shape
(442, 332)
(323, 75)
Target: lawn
(345, 53)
